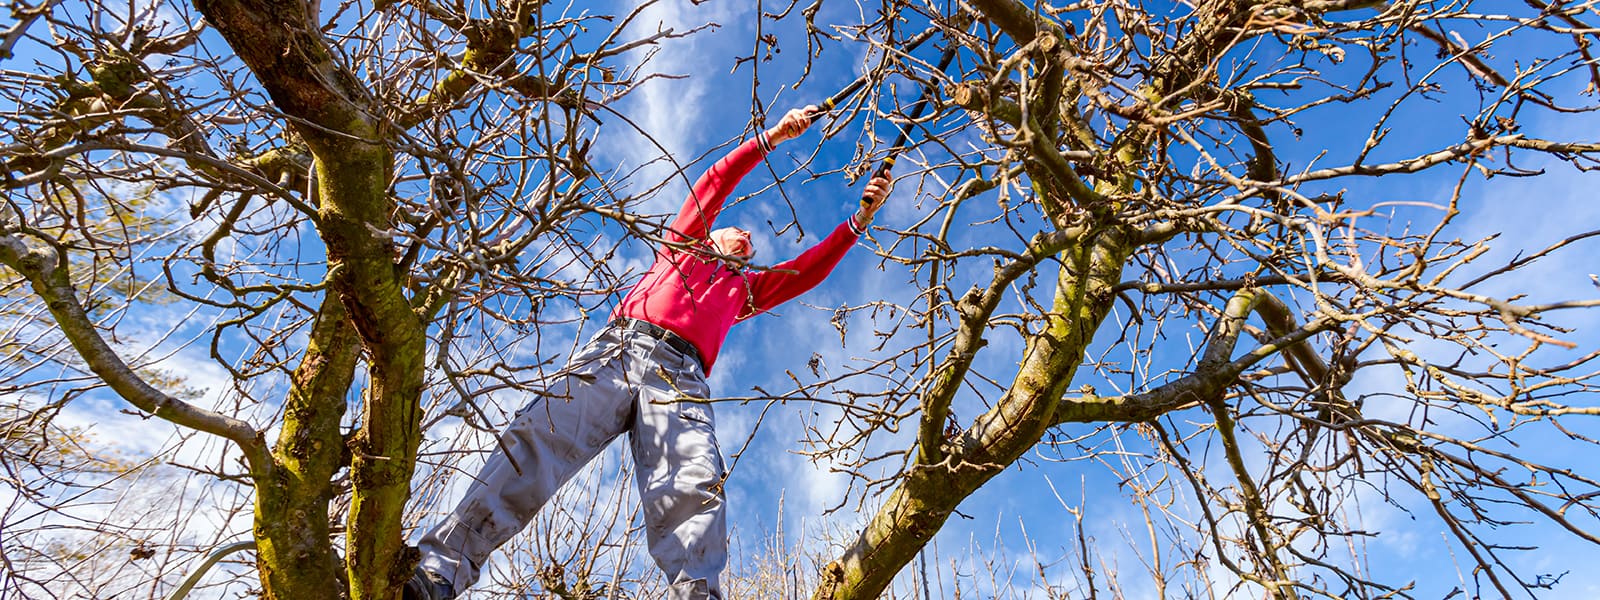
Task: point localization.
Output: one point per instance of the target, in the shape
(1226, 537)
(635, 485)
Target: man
(645, 375)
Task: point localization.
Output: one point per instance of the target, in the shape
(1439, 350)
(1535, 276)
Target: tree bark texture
(341, 125)
(294, 547)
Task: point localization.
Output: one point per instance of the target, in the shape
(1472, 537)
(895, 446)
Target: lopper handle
(881, 171)
(901, 141)
(850, 90)
(834, 100)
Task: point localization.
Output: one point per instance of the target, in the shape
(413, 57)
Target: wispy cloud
(676, 116)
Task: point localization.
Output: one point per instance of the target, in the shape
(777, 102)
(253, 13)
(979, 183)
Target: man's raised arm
(705, 200)
(793, 277)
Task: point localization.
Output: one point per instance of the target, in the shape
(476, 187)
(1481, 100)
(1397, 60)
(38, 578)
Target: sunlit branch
(47, 273)
(1208, 380)
(975, 307)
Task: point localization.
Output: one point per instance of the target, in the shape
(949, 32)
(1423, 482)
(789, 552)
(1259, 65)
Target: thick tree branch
(48, 274)
(310, 450)
(975, 309)
(929, 492)
(1065, 183)
(1016, 19)
(1217, 353)
(1209, 379)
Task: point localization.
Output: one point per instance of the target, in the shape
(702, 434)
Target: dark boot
(427, 585)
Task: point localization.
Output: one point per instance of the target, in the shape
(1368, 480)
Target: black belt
(660, 333)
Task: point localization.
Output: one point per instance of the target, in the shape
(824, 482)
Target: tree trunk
(294, 550)
(339, 122)
(918, 508)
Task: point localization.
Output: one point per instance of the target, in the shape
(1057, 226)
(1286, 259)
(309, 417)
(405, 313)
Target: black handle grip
(903, 140)
(834, 100)
(881, 171)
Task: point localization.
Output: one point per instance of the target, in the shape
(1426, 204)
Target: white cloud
(675, 113)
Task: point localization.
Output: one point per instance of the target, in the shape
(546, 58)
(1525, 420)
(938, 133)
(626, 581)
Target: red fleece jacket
(697, 296)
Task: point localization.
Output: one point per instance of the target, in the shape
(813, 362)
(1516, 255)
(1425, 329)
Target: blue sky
(774, 487)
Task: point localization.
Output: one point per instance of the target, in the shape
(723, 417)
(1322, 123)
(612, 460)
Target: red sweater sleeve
(711, 190)
(768, 289)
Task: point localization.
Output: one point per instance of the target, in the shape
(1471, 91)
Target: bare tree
(346, 192)
(1133, 174)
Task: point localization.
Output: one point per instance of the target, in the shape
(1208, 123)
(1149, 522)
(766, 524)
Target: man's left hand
(872, 199)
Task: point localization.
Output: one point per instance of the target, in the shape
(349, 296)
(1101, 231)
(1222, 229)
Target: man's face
(732, 241)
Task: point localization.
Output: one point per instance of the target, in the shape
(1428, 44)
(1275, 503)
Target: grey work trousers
(622, 381)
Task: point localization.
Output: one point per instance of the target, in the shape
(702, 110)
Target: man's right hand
(792, 125)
